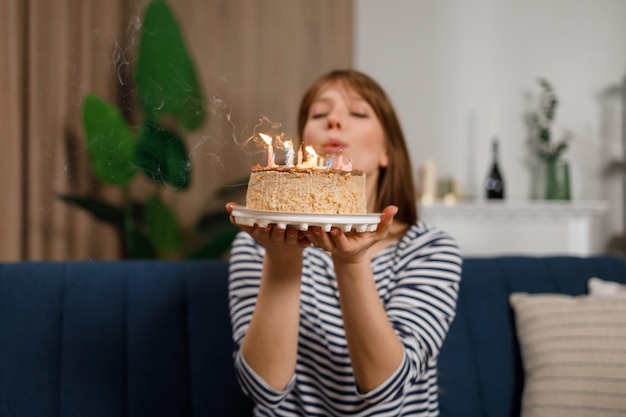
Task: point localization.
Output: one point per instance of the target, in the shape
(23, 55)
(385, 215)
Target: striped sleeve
(421, 307)
(245, 266)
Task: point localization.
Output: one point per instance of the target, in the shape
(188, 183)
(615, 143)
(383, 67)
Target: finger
(291, 236)
(308, 234)
(315, 236)
(261, 234)
(324, 240)
(229, 206)
(229, 209)
(303, 241)
(277, 234)
(389, 213)
(386, 220)
(340, 239)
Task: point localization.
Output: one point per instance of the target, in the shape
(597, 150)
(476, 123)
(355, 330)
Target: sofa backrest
(480, 368)
(116, 339)
(153, 338)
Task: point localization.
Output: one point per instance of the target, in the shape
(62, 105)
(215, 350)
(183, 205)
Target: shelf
(522, 210)
(521, 227)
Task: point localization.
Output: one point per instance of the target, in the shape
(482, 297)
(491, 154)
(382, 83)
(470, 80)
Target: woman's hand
(274, 239)
(351, 246)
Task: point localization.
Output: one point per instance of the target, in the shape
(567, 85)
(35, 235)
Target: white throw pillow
(604, 288)
(574, 354)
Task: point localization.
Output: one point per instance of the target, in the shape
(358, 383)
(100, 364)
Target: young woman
(346, 324)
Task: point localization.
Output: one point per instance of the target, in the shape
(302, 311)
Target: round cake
(306, 190)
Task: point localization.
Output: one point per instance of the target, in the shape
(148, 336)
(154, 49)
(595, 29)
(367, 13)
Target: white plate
(347, 222)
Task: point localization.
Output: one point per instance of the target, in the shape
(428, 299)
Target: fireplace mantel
(522, 227)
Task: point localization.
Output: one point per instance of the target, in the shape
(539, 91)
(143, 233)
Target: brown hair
(395, 182)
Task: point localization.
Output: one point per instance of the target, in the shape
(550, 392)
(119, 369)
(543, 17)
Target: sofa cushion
(574, 354)
(604, 288)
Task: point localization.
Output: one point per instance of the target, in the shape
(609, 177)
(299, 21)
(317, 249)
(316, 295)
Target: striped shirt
(417, 279)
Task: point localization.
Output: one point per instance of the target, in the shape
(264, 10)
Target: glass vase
(557, 180)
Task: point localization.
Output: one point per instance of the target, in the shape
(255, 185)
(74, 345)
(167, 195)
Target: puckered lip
(334, 146)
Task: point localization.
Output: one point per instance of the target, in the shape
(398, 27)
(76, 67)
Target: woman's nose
(334, 121)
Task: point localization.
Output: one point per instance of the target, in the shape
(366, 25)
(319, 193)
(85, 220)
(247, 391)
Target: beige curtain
(254, 59)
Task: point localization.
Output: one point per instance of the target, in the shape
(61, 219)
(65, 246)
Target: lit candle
(312, 157)
(270, 149)
(340, 161)
(300, 155)
(347, 167)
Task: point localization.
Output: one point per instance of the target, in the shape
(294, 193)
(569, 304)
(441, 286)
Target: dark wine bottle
(494, 183)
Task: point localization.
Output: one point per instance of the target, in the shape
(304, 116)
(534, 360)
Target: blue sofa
(152, 338)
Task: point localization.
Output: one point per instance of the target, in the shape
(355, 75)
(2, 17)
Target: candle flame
(311, 151)
(266, 138)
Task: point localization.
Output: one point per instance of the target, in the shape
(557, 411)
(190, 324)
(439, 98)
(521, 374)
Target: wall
(445, 64)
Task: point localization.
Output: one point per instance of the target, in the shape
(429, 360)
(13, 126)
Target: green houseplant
(170, 101)
(549, 150)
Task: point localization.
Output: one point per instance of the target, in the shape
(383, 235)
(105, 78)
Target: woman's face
(341, 121)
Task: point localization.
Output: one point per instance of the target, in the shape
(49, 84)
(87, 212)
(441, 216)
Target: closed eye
(359, 115)
(318, 115)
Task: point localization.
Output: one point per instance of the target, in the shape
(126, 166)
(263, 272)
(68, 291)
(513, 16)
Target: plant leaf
(162, 156)
(217, 245)
(110, 142)
(101, 210)
(138, 246)
(165, 75)
(209, 221)
(163, 228)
